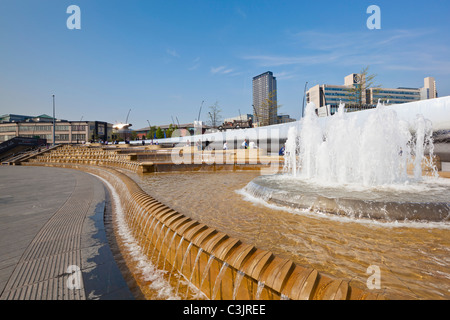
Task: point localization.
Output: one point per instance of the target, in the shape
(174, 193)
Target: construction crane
(200, 110)
(123, 126)
(126, 121)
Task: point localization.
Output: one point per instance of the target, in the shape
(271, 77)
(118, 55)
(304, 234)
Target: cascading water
(360, 164)
(349, 150)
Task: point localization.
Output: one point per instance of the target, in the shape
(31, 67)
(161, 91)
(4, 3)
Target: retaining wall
(222, 267)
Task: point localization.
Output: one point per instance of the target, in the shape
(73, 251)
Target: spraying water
(361, 165)
(373, 151)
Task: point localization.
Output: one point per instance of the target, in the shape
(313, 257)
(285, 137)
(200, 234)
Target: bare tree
(215, 118)
(359, 91)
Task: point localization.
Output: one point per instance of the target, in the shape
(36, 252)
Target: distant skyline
(161, 59)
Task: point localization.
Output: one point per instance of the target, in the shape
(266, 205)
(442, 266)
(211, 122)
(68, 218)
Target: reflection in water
(414, 258)
(426, 200)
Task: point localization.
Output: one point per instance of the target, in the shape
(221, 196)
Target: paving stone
(53, 241)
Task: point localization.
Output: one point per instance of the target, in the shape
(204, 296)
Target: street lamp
(150, 130)
(304, 94)
(53, 120)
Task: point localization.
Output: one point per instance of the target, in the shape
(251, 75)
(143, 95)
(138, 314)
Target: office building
(265, 99)
(284, 118)
(42, 127)
(327, 97)
(242, 117)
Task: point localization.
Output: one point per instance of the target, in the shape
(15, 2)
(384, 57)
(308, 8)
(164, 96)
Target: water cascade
(366, 164)
(203, 257)
(348, 150)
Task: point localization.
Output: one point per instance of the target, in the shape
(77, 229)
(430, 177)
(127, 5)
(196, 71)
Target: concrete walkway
(53, 244)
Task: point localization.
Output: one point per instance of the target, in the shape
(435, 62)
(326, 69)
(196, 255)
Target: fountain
(360, 167)
(363, 165)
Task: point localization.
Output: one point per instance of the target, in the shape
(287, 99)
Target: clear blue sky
(163, 58)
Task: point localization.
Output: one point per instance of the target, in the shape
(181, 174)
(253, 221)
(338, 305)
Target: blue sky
(161, 59)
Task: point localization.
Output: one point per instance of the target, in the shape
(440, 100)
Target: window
(79, 137)
(62, 128)
(78, 127)
(61, 137)
(8, 129)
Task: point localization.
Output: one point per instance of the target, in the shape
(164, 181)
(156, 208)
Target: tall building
(328, 97)
(265, 99)
(429, 89)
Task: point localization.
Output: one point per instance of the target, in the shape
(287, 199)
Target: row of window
(376, 96)
(338, 94)
(8, 129)
(58, 137)
(42, 128)
(384, 92)
(375, 91)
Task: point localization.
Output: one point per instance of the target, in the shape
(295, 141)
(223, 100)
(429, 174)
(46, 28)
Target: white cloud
(390, 49)
(285, 75)
(172, 53)
(240, 12)
(221, 70)
(195, 64)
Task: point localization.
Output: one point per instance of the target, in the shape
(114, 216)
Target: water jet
(361, 168)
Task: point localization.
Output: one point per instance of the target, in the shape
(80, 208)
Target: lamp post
(304, 94)
(256, 114)
(150, 130)
(53, 120)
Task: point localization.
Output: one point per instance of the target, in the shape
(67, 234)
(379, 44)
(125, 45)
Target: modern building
(242, 117)
(284, 118)
(265, 99)
(13, 118)
(184, 129)
(328, 97)
(65, 131)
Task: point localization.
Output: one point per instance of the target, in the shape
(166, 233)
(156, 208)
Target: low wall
(222, 267)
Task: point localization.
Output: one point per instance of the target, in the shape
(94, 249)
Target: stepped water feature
(361, 168)
(185, 258)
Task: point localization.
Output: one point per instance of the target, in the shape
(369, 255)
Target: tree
(215, 118)
(151, 133)
(269, 110)
(358, 92)
(170, 130)
(159, 133)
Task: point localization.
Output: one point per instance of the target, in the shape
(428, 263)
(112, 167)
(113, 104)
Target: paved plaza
(53, 243)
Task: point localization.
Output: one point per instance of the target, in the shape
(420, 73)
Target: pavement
(53, 242)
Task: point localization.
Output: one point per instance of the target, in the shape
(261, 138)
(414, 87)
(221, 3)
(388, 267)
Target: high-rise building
(265, 99)
(429, 89)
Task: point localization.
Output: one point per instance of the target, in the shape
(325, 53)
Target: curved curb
(222, 267)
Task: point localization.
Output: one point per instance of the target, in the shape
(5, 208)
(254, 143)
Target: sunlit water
(414, 258)
(425, 200)
(351, 149)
